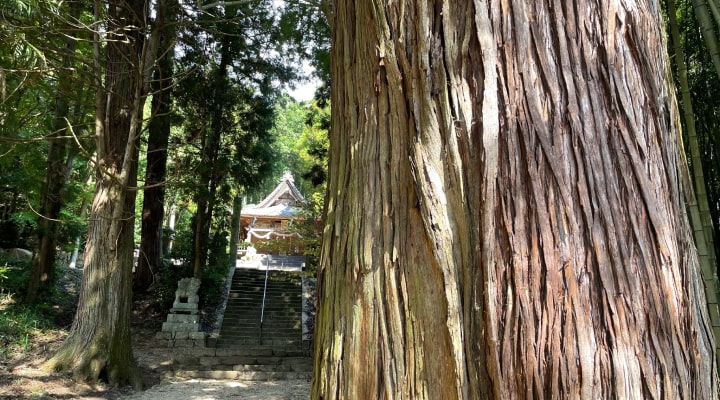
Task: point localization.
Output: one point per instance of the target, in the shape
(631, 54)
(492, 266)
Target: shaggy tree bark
(98, 345)
(505, 210)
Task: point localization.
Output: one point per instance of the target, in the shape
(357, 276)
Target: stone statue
(186, 297)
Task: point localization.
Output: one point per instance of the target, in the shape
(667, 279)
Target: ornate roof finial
(287, 176)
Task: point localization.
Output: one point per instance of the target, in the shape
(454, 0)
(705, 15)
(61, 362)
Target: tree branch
(222, 3)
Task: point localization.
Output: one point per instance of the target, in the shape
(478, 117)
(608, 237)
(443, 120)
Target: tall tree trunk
(98, 344)
(208, 174)
(505, 213)
(235, 230)
(42, 272)
(151, 236)
(708, 32)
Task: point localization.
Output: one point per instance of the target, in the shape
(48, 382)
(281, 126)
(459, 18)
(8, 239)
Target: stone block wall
(181, 339)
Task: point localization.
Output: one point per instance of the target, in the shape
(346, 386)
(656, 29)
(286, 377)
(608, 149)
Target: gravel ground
(210, 389)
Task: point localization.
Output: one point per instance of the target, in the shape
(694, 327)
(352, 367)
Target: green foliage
(218, 247)
(212, 285)
(18, 323)
(166, 282)
(14, 274)
(213, 278)
(305, 28)
(309, 227)
(31, 69)
(182, 248)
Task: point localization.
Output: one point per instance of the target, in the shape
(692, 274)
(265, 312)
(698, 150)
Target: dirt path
(208, 389)
(21, 377)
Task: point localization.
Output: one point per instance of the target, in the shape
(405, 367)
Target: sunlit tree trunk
(98, 344)
(505, 207)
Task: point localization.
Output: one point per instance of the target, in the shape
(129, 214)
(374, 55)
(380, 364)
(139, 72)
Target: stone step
(268, 326)
(288, 363)
(235, 325)
(267, 334)
(257, 301)
(247, 308)
(239, 375)
(274, 293)
(234, 343)
(192, 355)
(271, 294)
(232, 320)
(253, 314)
(282, 323)
(267, 331)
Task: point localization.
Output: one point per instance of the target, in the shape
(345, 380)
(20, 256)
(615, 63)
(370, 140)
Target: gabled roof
(281, 202)
(272, 211)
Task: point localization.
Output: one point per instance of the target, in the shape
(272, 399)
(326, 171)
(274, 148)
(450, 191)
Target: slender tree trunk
(42, 273)
(208, 173)
(98, 344)
(505, 212)
(235, 230)
(698, 205)
(82, 213)
(708, 32)
(151, 237)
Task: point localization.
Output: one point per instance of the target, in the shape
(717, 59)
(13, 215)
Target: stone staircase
(281, 319)
(241, 352)
(251, 362)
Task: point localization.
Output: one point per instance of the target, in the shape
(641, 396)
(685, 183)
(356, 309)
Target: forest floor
(22, 375)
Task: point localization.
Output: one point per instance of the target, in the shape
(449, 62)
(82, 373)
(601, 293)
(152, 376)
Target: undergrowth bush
(212, 282)
(14, 275)
(166, 282)
(19, 323)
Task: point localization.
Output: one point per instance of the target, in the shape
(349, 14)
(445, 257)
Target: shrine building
(267, 224)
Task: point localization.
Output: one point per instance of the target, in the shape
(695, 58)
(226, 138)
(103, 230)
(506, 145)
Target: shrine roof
(282, 202)
(279, 210)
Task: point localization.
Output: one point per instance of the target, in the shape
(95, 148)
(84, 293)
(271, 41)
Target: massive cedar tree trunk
(98, 344)
(158, 135)
(505, 209)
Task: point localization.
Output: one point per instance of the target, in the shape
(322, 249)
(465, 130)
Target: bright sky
(305, 91)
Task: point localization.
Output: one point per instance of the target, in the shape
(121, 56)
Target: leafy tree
(227, 100)
(505, 210)
(59, 162)
(286, 131)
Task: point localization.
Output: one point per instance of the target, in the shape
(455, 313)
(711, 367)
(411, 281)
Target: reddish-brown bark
(505, 215)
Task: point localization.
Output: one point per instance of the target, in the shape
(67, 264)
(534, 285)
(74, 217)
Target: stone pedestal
(182, 328)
